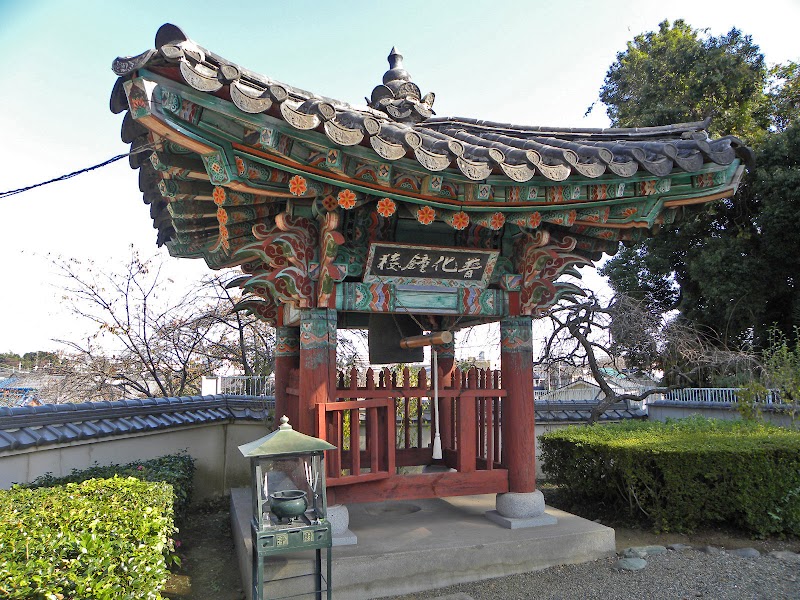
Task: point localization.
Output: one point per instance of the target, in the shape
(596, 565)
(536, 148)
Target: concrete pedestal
(520, 510)
(407, 547)
(339, 517)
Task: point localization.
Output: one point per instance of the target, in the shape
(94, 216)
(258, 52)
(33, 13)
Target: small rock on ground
(745, 552)
(643, 551)
(679, 547)
(630, 564)
(785, 555)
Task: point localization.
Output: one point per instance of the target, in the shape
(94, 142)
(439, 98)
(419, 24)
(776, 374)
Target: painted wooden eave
(476, 148)
(604, 185)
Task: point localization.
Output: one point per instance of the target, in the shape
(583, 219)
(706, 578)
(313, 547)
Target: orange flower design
(460, 220)
(347, 199)
(223, 238)
(298, 185)
(497, 221)
(219, 195)
(629, 211)
(573, 214)
(535, 220)
(222, 216)
(329, 203)
(240, 166)
(386, 207)
(426, 215)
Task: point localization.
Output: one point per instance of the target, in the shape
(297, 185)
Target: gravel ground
(673, 575)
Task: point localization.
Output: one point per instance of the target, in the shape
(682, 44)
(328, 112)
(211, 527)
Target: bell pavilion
(390, 218)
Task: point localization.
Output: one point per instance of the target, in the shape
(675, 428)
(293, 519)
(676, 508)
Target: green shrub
(682, 474)
(98, 539)
(175, 469)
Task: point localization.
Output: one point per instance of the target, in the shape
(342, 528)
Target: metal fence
(241, 385)
(725, 396)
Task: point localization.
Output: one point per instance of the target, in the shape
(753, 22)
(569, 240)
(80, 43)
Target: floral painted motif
(223, 239)
(137, 103)
(219, 195)
(240, 166)
(460, 220)
(598, 192)
(555, 193)
(329, 203)
(298, 185)
(646, 188)
(426, 215)
(222, 216)
(535, 220)
(347, 199)
(704, 180)
(497, 221)
(630, 211)
(386, 207)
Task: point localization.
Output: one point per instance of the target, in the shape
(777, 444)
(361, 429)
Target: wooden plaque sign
(404, 264)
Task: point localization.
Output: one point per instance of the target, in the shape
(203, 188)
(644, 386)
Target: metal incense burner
(289, 502)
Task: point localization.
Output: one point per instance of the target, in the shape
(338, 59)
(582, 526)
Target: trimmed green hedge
(98, 539)
(175, 469)
(682, 474)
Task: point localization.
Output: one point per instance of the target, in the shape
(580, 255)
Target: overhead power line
(74, 173)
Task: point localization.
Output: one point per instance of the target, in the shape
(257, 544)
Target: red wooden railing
(393, 410)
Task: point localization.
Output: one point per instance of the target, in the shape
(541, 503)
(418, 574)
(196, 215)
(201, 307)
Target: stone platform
(409, 546)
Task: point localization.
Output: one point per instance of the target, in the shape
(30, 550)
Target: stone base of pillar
(339, 518)
(519, 511)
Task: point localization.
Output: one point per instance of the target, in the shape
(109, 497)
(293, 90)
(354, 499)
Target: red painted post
(317, 364)
(466, 423)
(518, 417)
(287, 357)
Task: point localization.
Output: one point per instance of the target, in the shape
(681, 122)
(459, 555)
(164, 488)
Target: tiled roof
(398, 123)
(26, 426)
(35, 426)
(580, 410)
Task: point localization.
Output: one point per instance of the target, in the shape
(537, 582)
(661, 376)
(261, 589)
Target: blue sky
(525, 62)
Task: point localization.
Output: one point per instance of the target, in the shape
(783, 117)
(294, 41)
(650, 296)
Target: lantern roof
(284, 441)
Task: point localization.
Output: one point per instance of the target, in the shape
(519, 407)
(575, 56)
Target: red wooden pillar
(287, 357)
(518, 417)
(446, 357)
(317, 365)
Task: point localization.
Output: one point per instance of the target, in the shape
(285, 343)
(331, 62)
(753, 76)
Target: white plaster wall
(214, 447)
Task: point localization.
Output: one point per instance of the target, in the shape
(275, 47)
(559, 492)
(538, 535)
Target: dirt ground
(209, 569)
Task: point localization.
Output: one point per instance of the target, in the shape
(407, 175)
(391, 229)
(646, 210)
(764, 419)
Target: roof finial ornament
(399, 97)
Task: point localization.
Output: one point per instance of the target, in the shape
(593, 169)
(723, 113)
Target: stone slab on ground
(410, 546)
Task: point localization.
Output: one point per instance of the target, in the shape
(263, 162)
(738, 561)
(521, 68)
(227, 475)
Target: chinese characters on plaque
(429, 265)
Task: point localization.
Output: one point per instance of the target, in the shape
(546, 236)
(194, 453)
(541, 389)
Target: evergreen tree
(729, 267)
